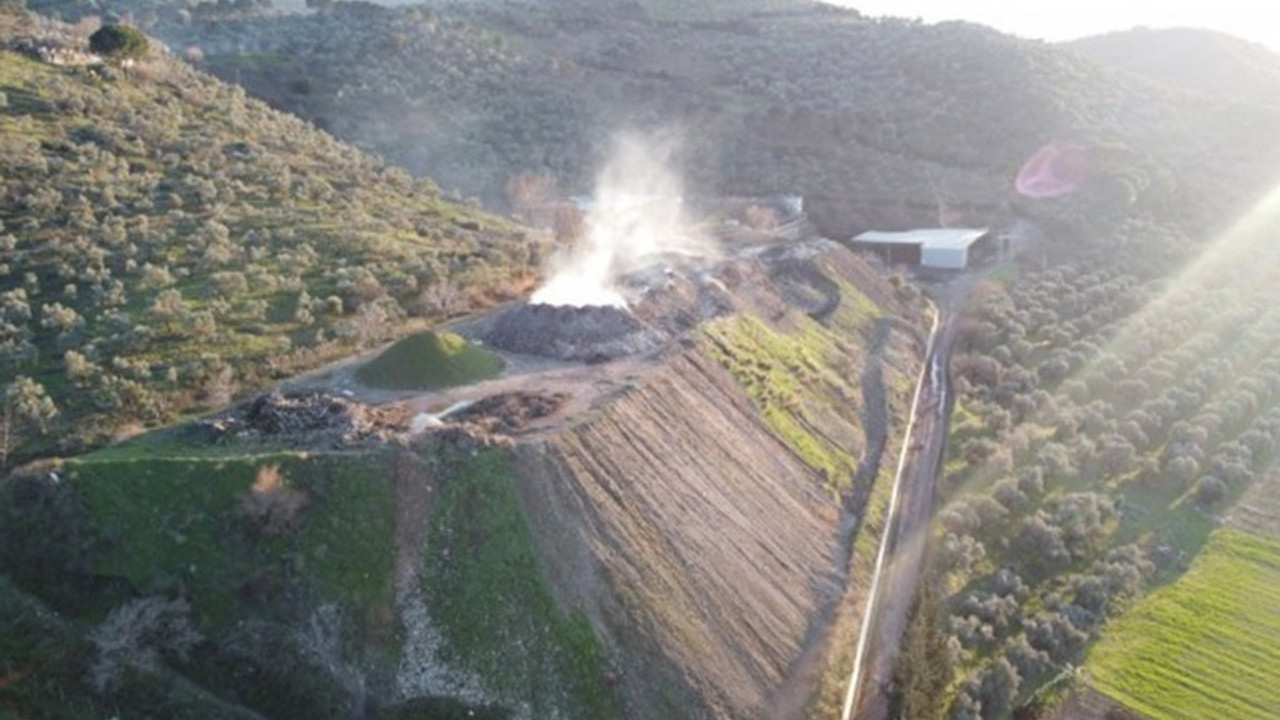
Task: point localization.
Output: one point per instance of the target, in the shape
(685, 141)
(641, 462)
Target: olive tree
(119, 43)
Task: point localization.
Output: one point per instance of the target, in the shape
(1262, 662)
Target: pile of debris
(469, 438)
(489, 422)
(509, 412)
(591, 334)
(310, 416)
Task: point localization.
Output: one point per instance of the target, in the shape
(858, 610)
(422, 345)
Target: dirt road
(901, 556)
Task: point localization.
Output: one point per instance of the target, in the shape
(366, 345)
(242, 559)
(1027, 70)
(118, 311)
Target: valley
(517, 360)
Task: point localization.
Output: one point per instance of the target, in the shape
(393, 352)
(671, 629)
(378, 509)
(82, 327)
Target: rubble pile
(308, 415)
(592, 334)
(510, 412)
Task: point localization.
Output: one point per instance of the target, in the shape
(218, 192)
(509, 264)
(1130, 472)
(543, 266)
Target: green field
(1207, 646)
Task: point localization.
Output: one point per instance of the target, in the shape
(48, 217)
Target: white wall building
(944, 248)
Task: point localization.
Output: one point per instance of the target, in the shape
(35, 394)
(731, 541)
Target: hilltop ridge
(876, 122)
(1207, 62)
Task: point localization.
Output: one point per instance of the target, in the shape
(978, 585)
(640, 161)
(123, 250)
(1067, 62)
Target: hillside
(668, 510)
(167, 242)
(1209, 63)
(879, 122)
(684, 532)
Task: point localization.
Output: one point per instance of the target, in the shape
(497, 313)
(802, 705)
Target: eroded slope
(701, 519)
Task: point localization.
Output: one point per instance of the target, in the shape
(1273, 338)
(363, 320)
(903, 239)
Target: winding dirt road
(901, 555)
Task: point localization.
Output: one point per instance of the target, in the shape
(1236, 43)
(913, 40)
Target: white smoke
(637, 212)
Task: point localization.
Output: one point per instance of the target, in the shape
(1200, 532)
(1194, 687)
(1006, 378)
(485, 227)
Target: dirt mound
(429, 361)
(310, 416)
(510, 412)
(571, 333)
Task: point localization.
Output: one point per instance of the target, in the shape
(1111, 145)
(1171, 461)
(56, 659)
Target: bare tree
(141, 634)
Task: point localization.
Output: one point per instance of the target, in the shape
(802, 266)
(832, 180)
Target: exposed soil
(1259, 510)
(708, 556)
(677, 504)
(415, 487)
(510, 412)
(566, 390)
(1089, 704)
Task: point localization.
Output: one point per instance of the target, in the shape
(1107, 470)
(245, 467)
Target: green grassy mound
(430, 361)
(1206, 646)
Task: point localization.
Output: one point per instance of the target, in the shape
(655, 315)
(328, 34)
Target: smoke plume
(636, 213)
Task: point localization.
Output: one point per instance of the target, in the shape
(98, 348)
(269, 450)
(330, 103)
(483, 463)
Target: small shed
(943, 248)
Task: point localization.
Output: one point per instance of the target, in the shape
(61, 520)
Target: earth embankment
(700, 516)
(677, 512)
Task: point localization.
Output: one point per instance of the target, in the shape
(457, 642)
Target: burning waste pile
(591, 333)
(583, 311)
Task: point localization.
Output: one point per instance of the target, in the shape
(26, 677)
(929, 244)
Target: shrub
(119, 43)
(1209, 491)
(141, 634)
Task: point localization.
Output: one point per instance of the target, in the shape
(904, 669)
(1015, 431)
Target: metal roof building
(946, 248)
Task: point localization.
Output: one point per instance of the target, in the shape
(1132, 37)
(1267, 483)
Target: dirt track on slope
(1088, 704)
(908, 533)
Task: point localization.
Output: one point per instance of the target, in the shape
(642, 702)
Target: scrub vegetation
(167, 243)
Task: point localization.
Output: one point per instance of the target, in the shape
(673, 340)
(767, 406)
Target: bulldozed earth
(697, 489)
(656, 512)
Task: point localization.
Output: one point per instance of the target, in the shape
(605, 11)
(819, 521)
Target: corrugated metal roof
(934, 238)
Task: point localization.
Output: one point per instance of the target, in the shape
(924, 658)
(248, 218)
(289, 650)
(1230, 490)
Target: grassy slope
(166, 517)
(174, 522)
(498, 616)
(172, 525)
(285, 247)
(803, 378)
(1206, 646)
